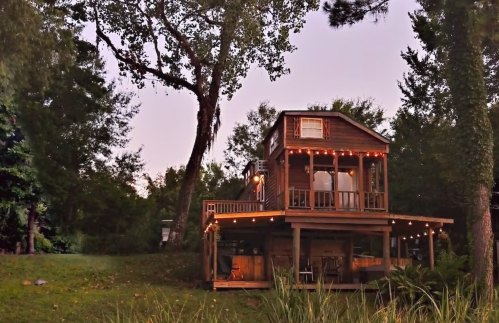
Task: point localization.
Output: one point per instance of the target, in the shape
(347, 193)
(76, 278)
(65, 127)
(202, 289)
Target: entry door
(347, 187)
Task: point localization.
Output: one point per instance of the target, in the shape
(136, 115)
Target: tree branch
(168, 78)
(184, 44)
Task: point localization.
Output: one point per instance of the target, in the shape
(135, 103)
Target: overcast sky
(360, 61)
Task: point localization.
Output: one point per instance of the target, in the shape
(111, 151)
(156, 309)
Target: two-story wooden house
(323, 184)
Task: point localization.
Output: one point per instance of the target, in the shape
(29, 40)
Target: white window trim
(273, 141)
(322, 128)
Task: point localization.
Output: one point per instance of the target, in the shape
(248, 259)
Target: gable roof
(309, 113)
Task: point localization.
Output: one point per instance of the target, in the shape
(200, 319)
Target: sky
(359, 61)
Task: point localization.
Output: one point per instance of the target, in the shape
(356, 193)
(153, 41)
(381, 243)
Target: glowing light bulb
(272, 219)
(291, 152)
(410, 223)
(403, 238)
(393, 221)
(418, 235)
(411, 237)
(317, 152)
(253, 219)
(351, 153)
(299, 151)
(216, 221)
(425, 233)
(440, 229)
(325, 152)
(427, 225)
(367, 154)
(235, 221)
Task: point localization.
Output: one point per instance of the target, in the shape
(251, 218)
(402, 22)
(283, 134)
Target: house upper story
(318, 161)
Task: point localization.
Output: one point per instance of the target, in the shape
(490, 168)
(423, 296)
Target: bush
(42, 244)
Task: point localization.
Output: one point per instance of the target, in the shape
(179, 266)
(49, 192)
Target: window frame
(316, 119)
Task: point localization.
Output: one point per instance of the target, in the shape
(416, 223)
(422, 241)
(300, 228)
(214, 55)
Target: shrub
(42, 244)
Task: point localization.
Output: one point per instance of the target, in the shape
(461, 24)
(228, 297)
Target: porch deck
(224, 284)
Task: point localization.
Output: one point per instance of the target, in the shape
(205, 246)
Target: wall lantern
(256, 178)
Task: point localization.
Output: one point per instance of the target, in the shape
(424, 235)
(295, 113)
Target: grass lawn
(91, 288)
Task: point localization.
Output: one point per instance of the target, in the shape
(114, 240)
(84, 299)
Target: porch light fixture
(432, 232)
(254, 220)
(403, 238)
(425, 233)
(418, 235)
(216, 221)
(411, 237)
(440, 229)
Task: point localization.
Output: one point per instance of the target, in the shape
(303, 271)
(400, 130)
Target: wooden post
(430, 247)
(385, 179)
(312, 195)
(215, 256)
(336, 186)
(268, 256)
(399, 262)
(361, 182)
(286, 179)
(386, 253)
(407, 249)
(497, 253)
(349, 254)
(296, 254)
(376, 175)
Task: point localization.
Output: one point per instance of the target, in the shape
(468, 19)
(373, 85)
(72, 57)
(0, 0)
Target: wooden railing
(374, 201)
(324, 199)
(299, 198)
(225, 206)
(349, 200)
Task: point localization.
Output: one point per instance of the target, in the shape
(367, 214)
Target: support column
(286, 179)
(376, 176)
(406, 245)
(336, 192)
(361, 182)
(430, 247)
(349, 255)
(385, 180)
(215, 255)
(497, 254)
(312, 194)
(386, 253)
(296, 254)
(399, 261)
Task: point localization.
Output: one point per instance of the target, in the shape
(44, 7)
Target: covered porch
(325, 180)
(253, 244)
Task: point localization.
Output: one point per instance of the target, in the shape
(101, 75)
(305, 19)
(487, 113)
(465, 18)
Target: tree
(20, 191)
(460, 40)
(364, 111)
(204, 47)
(245, 142)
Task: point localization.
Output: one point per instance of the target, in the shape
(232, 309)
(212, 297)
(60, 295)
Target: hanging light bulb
(427, 225)
(440, 229)
(403, 238)
(376, 155)
(411, 237)
(272, 219)
(253, 219)
(317, 152)
(410, 223)
(308, 152)
(367, 155)
(393, 221)
(291, 152)
(351, 153)
(425, 233)
(299, 151)
(342, 153)
(432, 232)
(216, 221)
(325, 152)
(334, 153)
(235, 221)
(418, 235)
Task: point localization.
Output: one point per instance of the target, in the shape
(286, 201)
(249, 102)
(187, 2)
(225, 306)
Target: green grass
(92, 288)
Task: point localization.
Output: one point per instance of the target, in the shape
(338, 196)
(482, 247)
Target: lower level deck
(225, 284)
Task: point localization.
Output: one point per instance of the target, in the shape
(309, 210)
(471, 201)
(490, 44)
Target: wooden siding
(271, 186)
(248, 192)
(342, 136)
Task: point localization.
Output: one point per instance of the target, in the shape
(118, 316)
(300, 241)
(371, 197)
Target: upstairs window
(311, 128)
(273, 141)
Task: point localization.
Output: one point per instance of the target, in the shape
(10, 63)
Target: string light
(235, 221)
(334, 153)
(440, 229)
(291, 152)
(253, 219)
(342, 154)
(299, 151)
(403, 238)
(216, 221)
(410, 223)
(418, 235)
(367, 154)
(411, 237)
(325, 152)
(393, 221)
(432, 232)
(376, 155)
(425, 233)
(308, 152)
(351, 153)
(272, 219)
(317, 152)
(427, 225)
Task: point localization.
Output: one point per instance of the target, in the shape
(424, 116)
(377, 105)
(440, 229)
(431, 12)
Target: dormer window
(311, 128)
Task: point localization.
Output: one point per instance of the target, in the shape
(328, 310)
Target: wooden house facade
(322, 184)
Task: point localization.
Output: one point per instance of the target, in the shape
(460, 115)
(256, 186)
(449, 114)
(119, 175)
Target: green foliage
(245, 142)
(42, 244)
(452, 270)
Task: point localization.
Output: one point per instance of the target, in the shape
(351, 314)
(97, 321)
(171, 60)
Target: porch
(253, 244)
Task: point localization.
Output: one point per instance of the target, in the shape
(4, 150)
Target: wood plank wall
(343, 135)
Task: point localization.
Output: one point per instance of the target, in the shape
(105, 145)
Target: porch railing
(349, 200)
(374, 201)
(324, 199)
(221, 206)
(299, 198)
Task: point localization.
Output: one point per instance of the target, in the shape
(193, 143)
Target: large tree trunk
(474, 131)
(31, 229)
(206, 116)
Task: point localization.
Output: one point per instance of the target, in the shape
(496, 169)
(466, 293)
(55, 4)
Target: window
(273, 141)
(311, 128)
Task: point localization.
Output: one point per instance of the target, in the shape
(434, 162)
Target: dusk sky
(359, 61)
